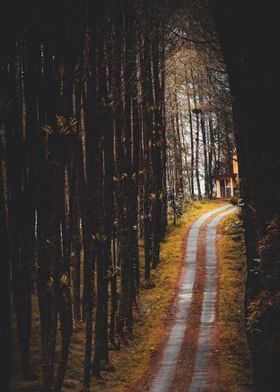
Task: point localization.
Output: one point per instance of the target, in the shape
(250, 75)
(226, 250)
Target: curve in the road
(165, 374)
(207, 319)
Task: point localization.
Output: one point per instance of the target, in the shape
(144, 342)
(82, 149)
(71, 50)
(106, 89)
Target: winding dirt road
(189, 358)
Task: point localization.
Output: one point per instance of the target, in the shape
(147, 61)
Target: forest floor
(134, 366)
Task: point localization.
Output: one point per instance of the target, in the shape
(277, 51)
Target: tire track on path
(186, 359)
(208, 314)
(166, 372)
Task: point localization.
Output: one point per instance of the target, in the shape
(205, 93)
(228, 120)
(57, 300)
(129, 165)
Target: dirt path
(188, 362)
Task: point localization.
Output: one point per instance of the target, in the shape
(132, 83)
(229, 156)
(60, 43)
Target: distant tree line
(200, 141)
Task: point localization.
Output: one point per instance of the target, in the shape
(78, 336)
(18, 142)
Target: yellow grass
(234, 359)
(132, 362)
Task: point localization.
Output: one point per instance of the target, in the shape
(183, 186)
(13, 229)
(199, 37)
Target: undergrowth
(235, 360)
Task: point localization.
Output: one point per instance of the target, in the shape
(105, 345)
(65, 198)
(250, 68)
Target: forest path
(188, 362)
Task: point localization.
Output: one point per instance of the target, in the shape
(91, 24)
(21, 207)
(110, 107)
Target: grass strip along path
(206, 349)
(155, 317)
(166, 372)
(234, 358)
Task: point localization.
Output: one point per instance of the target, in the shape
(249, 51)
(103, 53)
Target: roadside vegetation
(131, 363)
(234, 359)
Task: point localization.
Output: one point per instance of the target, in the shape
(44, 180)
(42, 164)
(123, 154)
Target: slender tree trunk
(192, 146)
(211, 155)
(5, 325)
(204, 141)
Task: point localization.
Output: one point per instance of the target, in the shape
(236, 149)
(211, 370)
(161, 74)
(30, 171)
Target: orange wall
(235, 164)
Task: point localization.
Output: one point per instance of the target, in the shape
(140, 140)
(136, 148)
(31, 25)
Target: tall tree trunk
(5, 325)
(192, 145)
(204, 141)
(147, 104)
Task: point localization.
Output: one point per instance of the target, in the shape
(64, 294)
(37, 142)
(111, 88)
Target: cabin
(226, 184)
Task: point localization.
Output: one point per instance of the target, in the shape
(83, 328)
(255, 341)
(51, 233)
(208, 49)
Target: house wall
(235, 164)
(218, 189)
(232, 186)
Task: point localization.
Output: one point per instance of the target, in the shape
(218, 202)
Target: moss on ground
(235, 361)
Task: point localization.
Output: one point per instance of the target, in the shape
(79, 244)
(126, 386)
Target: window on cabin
(228, 187)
